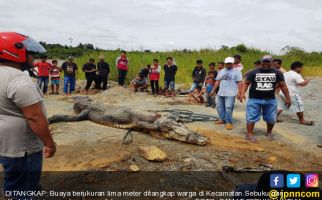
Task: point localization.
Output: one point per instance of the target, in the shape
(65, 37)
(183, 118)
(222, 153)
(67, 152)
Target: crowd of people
(153, 72)
(97, 73)
(272, 89)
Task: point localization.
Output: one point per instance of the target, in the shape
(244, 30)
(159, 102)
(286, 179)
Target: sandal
(309, 123)
(251, 139)
(270, 137)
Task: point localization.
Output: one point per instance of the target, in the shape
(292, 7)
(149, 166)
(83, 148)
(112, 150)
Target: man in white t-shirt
(294, 81)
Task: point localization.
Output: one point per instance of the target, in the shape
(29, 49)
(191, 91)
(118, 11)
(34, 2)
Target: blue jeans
(194, 86)
(22, 174)
(255, 108)
(169, 84)
(43, 80)
(225, 108)
(71, 81)
(211, 101)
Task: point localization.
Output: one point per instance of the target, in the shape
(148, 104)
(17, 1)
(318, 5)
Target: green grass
(186, 60)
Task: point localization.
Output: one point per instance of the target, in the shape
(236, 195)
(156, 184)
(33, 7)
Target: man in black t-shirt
(90, 73)
(262, 100)
(145, 71)
(70, 75)
(103, 72)
(170, 70)
(198, 75)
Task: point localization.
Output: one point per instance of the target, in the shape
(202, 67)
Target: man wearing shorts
(262, 99)
(170, 70)
(294, 81)
(55, 77)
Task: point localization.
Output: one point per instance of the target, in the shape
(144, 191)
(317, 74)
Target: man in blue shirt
(229, 80)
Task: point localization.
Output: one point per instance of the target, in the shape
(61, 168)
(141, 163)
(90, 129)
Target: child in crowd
(198, 76)
(197, 95)
(140, 83)
(170, 70)
(55, 77)
(122, 63)
(155, 76)
(212, 69)
(212, 75)
(211, 102)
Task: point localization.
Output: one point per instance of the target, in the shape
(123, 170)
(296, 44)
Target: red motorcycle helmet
(15, 47)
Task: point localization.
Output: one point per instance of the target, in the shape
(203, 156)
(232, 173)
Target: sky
(168, 24)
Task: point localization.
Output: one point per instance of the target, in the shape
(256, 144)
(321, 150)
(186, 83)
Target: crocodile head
(81, 103)
(174, 130)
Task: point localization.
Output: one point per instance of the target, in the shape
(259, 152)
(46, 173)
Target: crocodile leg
(83, 115)
(128, 138)
(145, 125)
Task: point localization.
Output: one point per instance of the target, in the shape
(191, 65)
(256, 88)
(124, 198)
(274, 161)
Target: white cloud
(168, 24)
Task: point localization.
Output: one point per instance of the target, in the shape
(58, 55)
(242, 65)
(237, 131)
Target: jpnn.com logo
(283, 195)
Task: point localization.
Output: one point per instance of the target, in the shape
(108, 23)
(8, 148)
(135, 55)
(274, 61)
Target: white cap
(229, 60)
(101, 57)
(267, 58)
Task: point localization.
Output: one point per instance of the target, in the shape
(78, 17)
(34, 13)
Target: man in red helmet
(24, 131)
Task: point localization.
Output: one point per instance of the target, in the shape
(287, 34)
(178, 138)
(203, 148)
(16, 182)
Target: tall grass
(185, 61)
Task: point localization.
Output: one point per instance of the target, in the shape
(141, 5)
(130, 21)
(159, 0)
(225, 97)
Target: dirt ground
(89, 146)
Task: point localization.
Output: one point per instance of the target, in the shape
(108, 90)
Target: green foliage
(241, 48)
(58, 51)
(185, 59)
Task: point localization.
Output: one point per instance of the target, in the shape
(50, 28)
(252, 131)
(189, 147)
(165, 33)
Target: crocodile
(130, 119)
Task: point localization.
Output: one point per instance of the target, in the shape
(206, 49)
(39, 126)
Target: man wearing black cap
(262, 100)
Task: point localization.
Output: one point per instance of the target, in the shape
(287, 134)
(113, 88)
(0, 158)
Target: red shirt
(155, 72)
(122, 63)
(43, 68)
(55, 73)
